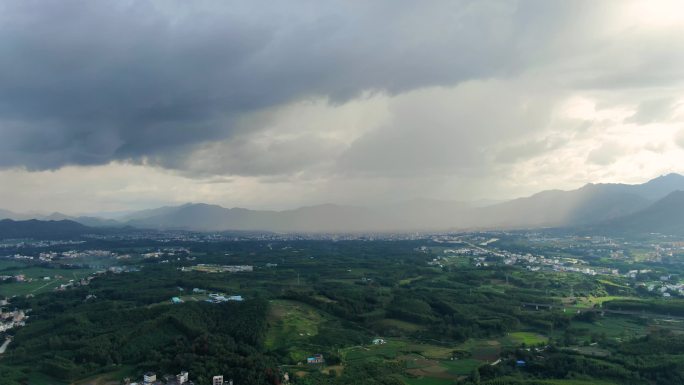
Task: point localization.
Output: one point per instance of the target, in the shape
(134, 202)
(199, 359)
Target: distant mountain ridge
(37, 229)
(6, 214)
(590, 204)
(204, 217)
(84, 220)
(593, 203)
(666, 216)
(56, 216)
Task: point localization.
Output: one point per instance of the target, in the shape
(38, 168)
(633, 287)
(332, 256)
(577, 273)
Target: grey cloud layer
(473, 85)
(87, 82)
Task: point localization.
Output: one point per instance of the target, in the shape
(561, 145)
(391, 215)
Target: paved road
(484, 250)
(5, 345)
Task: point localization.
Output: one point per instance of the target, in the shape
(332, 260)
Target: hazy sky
(115, 105)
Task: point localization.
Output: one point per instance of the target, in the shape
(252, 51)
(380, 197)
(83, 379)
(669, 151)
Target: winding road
(5, 345)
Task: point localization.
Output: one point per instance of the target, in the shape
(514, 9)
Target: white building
(217, 380)
(149, 377)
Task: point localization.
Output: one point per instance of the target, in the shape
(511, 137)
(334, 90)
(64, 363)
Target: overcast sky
(119, 105)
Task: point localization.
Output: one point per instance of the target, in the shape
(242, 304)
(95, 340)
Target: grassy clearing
(35, 377)
(291, 321)
(483, 350)
(40, 272)
(462, 367)
(408, 281)
(36, 273)
(291, 324)
(427, 381)
(611, 283)
(589, 302)
(111, 378)
(528, 338)
(592, 351)
(6, 264)
(400, 349)
(34, 287)
(336, 368)
(194, 297)
(390, 350)
(400, 325)
(431, 351)
(425, 363)
(324, 299)
(550, 382)
(579, 382)
(613, 326)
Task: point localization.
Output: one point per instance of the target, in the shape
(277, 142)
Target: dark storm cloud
(88, 82)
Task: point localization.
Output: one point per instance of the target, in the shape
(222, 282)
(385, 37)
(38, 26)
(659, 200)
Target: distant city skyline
(124, 106)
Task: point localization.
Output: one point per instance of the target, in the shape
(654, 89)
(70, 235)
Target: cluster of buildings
(17, 278)
(465, 251)
(218, 298)
(529, 261)
(74, 283)
(482, 257)
(591, 247)
(122, 269)
(71, 283)
(316, 359)
(666, 289)
(167, 252)
(183, 378)
(211, 298)
(35, 244)
(11, 319)
(19, 257)
(566, 265)
(49, 256)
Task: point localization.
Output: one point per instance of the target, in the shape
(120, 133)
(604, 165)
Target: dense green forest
(70, 339)
(449, 324)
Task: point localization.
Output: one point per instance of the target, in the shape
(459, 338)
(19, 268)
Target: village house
(316, 359)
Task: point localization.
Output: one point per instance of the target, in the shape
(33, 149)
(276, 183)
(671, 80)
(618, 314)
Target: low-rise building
(316, 359)
(182, 378)
(149, 377)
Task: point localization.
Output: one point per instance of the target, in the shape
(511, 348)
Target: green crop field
(428, 381)
(528, 338)
(6, 264)
(34, 287)
(461, 367)
(399, 324)
(291, 321)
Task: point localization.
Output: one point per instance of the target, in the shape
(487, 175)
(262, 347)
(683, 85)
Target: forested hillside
(451, 323)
